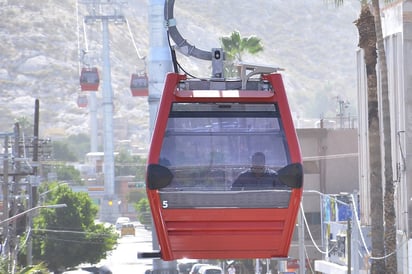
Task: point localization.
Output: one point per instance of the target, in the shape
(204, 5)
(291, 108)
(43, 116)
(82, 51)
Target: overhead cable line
(78, 36)
(133, 41)
(309, 232)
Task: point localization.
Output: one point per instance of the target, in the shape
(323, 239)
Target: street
(124, 258)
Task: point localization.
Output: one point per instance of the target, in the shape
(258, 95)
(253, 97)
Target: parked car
(77, 271)
(120, 221)
(210, 269)
(185, 265)
(127, 229)
(196, 267)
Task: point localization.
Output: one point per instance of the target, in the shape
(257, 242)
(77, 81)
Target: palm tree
(25, 125)
(367, 42)
(370, 35)
(235, 46)
(389, 209)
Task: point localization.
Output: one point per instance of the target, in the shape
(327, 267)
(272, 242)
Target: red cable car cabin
(204, 137)
(82, 101)
(89, 79)
(139, 85)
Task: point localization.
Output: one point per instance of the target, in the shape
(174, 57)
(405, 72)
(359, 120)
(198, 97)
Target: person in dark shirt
(258, 176)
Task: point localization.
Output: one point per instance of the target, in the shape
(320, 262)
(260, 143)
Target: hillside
(41, 39)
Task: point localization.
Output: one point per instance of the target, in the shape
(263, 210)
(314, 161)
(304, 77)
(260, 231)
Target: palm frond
(337, 3)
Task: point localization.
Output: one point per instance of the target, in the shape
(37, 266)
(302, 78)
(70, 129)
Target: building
(397, 32)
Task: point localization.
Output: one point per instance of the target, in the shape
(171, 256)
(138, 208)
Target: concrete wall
(397, 32)
(330, 160)
(331, 166)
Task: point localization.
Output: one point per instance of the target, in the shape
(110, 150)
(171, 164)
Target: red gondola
(89, 79)
(82, 101)
(204, 136)
(139, 85)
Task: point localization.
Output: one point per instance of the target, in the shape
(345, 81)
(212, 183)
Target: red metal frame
(224, 233)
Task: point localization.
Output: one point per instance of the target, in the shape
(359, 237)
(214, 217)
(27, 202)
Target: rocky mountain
(42, 42)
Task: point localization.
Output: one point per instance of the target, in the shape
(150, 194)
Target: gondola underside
(215, 226)
(228, 233)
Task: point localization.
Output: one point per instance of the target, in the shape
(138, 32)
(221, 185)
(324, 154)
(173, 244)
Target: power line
(71, 231)
(134, 42)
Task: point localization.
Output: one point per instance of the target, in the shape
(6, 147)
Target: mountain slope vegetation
(43, 41)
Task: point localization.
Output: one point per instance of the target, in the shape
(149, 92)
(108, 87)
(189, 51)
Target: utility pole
(5, 189)
(349, 241)
(15, 198)
(32, 189)
(342, 104)
(106, 12)
(13, 202)
(301, 233)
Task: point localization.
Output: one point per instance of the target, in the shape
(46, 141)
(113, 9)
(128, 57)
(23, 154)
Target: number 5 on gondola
(224, 175)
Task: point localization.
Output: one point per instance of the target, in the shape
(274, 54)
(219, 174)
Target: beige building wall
(330, 161)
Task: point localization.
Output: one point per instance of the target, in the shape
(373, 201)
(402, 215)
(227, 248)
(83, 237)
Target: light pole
(13, 218)
(41, 195)
(30, 210)
(29, 222)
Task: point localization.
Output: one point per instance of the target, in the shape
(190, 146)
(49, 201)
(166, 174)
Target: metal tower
(160, 64)
(105, 12)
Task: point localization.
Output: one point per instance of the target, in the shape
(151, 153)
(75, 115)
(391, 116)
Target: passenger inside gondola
(208, 145)
(258, 176)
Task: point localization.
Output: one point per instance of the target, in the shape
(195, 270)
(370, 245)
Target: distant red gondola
(139, 85)
(82, 101)
(205, 133)
(89, 79)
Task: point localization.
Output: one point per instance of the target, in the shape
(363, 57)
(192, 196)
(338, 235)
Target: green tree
(142, 208)
(26, 126)
(63, 152)
(34, 269)
(235, 46)
(367, 42)
(80, 144)
(67, 237)
(127, 164)
(389, 194)
(31, 269)
(142, 205)
(135, 195)
(72, 149)
(68, 173)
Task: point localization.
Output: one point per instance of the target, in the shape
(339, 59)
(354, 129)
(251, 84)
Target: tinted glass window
(207, 145)
(213, 271)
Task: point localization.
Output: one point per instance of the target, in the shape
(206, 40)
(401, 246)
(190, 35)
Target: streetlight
(6, 221)
(40, 202)
(29, 219)
(41, 195)
(30, 210)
